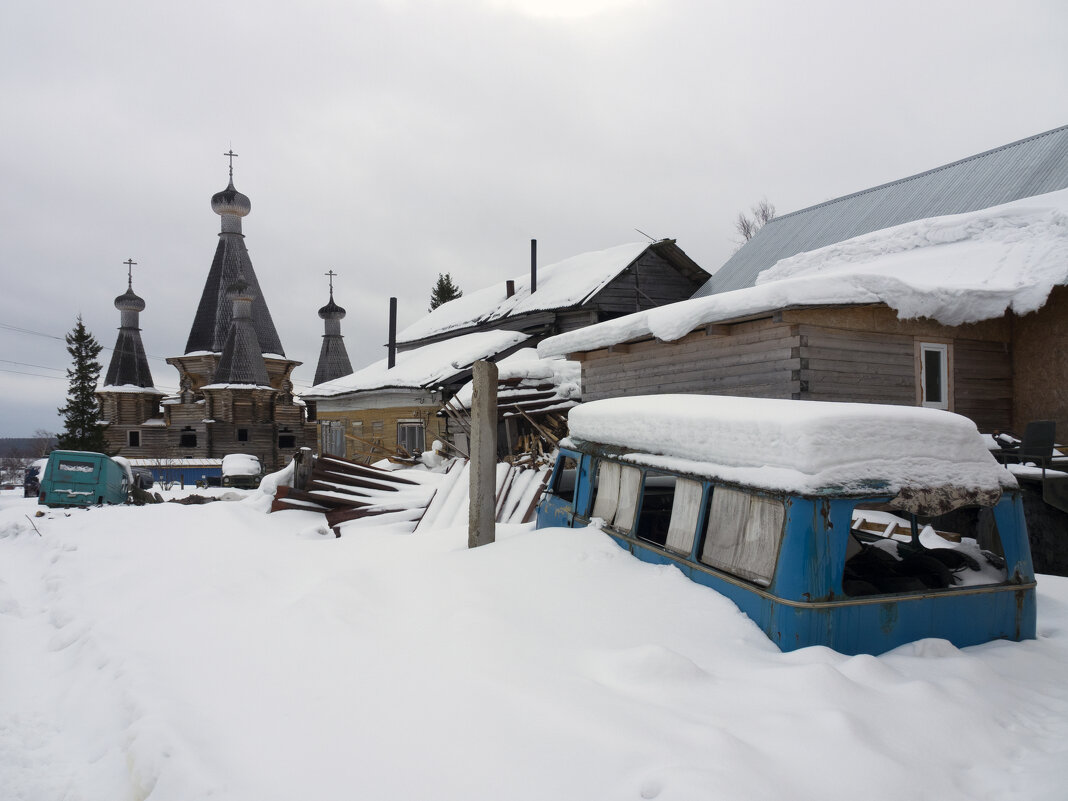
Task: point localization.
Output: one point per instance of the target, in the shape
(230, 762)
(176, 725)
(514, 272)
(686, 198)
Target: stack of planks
(345, 490)
(518, 491)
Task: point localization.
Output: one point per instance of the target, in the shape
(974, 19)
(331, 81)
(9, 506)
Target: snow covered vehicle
(860, 527)
(83, 478)
(241, 470)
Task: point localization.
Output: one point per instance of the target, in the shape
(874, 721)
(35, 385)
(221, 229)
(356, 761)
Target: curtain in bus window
(607, 491)
(630, 487)
(684, 511)
(743, 534)
(762, 535)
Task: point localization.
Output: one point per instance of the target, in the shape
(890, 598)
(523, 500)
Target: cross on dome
(129, 272)
(230, 154)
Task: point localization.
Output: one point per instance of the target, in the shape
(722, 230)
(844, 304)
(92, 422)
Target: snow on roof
(237, 387)
(423, 367)
(957, 269)
(805, 447)
(129, 388)
(566, 283)
(166, 462)
(527, 368)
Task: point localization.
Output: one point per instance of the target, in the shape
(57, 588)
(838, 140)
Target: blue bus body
(808, 595)
(82, 478)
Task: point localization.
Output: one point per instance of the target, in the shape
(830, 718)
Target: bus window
(961, 548)
(564, 484)
(670, 508)
(743, 534)
(616, 494)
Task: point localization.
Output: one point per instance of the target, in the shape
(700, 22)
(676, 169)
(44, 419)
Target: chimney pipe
(509, 288)
(533, 266)
(391, 358)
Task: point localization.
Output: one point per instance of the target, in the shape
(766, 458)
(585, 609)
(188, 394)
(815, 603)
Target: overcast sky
(390, 141)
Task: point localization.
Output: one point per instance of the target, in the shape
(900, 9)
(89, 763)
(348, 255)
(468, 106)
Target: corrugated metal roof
(1032, 166)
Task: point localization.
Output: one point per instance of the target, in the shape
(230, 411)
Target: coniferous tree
(444, 291)
(81, 422)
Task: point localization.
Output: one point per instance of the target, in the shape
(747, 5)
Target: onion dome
(230, 201)
(129, 301)
(331, 311)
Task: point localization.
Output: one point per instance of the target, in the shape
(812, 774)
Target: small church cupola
(129, 365)
(333, 358)
(230, 204)
(241, 361)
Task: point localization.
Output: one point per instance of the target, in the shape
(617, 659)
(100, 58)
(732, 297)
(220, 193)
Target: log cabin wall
(1040, 391)
(757, 359)
(857, 366)
(867, 354)
(852, 354)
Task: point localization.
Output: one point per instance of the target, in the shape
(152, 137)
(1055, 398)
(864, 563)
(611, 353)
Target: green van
(82, 478)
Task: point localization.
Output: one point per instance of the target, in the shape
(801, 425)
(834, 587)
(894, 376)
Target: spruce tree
(444, 291)
(81, 422)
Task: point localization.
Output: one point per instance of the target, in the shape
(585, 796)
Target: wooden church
(236, 394)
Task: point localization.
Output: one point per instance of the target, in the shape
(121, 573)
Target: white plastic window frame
(942, 348)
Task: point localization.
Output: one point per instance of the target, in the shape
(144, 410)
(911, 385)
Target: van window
(564, 483)
(961, 548)
(616, 494)
(72, 467)
(670, 508)
(743, 534)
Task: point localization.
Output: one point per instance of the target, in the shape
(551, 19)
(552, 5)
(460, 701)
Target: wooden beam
(717, 330)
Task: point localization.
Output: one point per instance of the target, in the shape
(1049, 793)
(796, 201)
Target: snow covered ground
(194, 652)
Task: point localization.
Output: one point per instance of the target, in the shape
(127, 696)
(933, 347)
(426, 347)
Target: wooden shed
(964, 309)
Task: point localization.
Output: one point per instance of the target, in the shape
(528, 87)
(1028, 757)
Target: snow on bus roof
(956, 269)
(804, 447)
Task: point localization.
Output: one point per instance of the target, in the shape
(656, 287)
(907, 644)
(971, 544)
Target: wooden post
(483, 495)
(302, 467)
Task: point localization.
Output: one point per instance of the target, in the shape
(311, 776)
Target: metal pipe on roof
(533, 266)
(391, 357)
(509, 288)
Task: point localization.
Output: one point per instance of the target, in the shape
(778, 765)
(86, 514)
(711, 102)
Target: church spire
(211, 325)
(333, 359)
(241, 361)
(129, 364)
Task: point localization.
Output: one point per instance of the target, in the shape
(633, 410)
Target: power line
(35, 375)
(19, 330)
(27, 364)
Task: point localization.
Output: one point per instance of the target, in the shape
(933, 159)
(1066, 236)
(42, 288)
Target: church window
(187, 439)
(287, 441)
(133, 439)
(242, 435)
